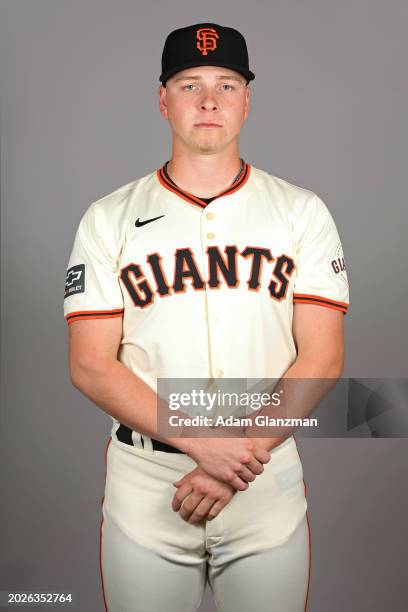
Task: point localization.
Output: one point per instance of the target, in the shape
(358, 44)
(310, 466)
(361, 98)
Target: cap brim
(248, 74)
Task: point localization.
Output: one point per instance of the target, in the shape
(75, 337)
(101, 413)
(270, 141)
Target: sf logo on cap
(206, 40)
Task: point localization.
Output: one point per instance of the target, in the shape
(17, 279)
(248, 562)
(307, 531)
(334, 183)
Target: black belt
(124, 434)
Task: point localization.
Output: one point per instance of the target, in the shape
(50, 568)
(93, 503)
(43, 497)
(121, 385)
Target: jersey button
(210, 235)
(209, 216)
(220, 373)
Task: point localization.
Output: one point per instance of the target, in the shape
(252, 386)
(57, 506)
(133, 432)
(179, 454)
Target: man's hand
(234, 461)
(205, 496)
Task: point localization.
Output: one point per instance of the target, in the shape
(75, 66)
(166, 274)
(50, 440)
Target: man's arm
(96, 371)
(319, 337)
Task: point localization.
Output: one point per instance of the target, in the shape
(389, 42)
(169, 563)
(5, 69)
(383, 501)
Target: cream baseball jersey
(205, 290)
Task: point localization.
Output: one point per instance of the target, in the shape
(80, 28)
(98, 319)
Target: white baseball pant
(255, 554)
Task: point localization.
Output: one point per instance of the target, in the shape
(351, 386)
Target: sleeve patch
(338, 265)
(75, 280)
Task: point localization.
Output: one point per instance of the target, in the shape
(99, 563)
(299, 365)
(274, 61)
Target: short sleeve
(321, 276)
(92, 287)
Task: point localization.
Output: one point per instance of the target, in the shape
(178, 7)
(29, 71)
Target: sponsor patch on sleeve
(75, 280)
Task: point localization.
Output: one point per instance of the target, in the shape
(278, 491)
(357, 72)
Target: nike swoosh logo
(139, 223)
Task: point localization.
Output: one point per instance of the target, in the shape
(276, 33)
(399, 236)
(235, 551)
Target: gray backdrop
(79, 118)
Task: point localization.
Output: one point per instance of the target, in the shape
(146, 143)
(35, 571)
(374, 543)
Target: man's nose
(209, 101)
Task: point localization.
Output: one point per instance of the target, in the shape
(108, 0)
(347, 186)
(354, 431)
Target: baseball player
(206, 268)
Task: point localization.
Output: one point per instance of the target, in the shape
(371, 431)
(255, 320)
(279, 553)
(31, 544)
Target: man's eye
(228, 85)
(189, 85)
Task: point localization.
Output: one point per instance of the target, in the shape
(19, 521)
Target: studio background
(79, 118)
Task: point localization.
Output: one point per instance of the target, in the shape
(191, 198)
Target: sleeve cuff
(93, 314)
(318, 300)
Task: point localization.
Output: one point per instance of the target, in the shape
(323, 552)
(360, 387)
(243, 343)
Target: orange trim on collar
(189, 197)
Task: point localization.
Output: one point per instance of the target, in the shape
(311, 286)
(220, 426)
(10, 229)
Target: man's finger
(238, 484)
(189, 504)
(185, 489)
(246, 474)
(201, 510)
(215, 510)
(262, 455)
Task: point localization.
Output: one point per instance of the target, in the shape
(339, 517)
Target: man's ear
(162, 93)
(248, 94)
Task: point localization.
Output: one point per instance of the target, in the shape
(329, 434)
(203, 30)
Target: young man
(207, 268)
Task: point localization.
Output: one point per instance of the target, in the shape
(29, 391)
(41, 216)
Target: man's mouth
(207, 125)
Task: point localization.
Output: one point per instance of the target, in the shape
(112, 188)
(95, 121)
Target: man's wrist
(267, 443)
(186, 445)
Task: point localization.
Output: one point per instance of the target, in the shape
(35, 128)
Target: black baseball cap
(204, 44)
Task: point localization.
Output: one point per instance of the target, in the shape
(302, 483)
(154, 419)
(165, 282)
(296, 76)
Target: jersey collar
(167, 183)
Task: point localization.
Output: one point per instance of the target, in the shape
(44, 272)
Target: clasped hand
(224, 466)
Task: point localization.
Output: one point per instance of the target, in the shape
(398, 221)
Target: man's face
(205, 106)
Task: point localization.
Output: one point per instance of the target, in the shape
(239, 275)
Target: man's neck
(204, 175)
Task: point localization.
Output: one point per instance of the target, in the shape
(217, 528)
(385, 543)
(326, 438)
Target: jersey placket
(210, 236)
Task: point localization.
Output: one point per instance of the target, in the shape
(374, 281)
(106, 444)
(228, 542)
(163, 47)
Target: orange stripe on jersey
(167, 183)
(319, 300)
(93, 314)
(241, 182)
(183, 194)
(317, 303)
(308, 530)
(310, 557)
(100, 528)
(319, 297)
